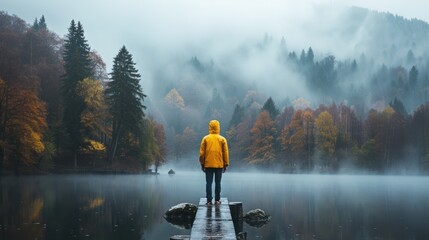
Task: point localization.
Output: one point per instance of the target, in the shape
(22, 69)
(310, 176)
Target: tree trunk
(114, 144)
(113, 149)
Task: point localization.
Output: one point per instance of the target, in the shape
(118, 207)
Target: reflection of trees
(315, 209)
(68, 207)
(21, 210)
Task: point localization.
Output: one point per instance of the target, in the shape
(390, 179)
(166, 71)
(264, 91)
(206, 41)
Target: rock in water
(256, 218)
(171, 171)
(182, 215)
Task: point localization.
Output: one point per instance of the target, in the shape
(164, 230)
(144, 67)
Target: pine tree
(39, 24)
(271, 108)
(42, 23)
(413, 76)
(36, 24)
(125, 98)
(77, 67)
(302, 57)
(399, 107)
(237, 116)
(310, 57)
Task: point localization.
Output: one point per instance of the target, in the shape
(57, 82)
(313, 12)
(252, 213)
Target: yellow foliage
(389, 111)
(174, 98)
(37, 143)
(93, 146)
(95, 116)
(35, 209)
(327, 134)
(24, 119)
(92, 92)
(96, 202)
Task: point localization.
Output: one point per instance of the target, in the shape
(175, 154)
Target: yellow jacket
(214, 148)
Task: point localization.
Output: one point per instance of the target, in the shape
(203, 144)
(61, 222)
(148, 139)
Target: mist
(200, 59)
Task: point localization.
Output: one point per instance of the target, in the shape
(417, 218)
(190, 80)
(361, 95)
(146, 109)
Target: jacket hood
(214, 127)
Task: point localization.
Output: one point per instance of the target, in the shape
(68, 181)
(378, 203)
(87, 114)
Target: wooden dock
(213, 222)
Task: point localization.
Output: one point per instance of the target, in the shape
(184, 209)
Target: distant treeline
(59, 109)
(330, 137)
(373, 106)
(362, 131)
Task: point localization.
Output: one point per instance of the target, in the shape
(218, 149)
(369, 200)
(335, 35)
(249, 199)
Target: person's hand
(224, 169)
(202, 168)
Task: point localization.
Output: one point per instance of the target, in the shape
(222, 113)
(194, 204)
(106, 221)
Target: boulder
(256, 218)
(181, 215)
(171, 171)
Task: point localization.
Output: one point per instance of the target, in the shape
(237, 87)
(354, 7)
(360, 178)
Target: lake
(131, 206)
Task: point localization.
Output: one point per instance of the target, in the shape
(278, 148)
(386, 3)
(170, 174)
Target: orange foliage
(297, 138)
(23, 121)
(262, 139)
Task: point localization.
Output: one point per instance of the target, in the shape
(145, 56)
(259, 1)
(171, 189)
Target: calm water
(131, 206)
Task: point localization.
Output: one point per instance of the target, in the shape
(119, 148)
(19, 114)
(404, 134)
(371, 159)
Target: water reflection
(75, 207)
(341, 207)
(132, 207)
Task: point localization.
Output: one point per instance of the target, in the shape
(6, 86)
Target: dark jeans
(217, 172)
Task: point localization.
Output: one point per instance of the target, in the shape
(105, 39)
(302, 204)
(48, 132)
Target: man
(214, 160)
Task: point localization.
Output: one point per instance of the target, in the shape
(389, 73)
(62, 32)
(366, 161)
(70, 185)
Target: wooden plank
(213, 222)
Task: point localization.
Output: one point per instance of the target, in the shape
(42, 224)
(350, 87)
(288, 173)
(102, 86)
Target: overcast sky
(152, 26)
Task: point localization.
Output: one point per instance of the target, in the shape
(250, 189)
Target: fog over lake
(132, 206)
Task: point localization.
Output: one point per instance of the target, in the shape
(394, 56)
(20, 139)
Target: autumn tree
(147, 150)
(160, 141)
(420, 131)
(387, 130)
(77, 67)
(30, 62)
(22, 124)
(186, 142)
(125, 98)
(326, 136)
(285, 117)
(95, 117)
(175, 108)
(349, 131)
(239, 138)
(297, 139)
(263, 135)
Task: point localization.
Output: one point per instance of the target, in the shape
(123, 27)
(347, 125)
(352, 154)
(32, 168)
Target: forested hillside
(373, 99)
(59, 109)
